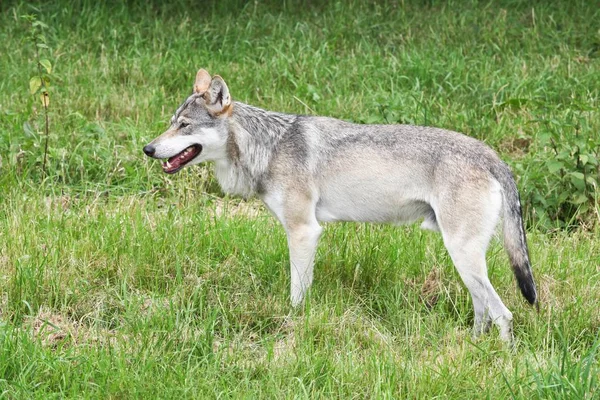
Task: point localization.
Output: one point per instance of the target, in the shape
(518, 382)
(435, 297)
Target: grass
(119, 281)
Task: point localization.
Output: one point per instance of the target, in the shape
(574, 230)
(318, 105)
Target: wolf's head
(198, 130)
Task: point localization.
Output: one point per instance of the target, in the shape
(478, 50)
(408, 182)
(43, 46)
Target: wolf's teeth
(168, 164)
(181, 157)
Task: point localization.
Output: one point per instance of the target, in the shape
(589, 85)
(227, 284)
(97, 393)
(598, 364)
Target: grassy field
(117, 281)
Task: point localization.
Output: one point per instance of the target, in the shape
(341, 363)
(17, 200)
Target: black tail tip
(526, 284)
(528, 291)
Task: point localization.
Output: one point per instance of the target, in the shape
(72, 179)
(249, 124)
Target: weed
(40, 82)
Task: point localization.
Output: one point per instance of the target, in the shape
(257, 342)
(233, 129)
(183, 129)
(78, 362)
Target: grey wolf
(310, 169)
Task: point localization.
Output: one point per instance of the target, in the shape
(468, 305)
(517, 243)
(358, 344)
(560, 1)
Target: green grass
(118, 281)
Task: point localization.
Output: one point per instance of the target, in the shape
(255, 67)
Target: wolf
(312, 169)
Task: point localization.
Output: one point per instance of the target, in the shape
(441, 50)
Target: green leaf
(577, 179)
(554, 166)
(28, 129)
(562, 197)
(372, 119)
(42, 46)
(564, 155)
(541, 200)
(39, 23)
(544, 137)
(34, 84)
(577, 175)
(579, 199)
(46, 64)
(581, 143)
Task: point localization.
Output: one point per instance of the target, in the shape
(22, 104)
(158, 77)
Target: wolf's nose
(149, 150)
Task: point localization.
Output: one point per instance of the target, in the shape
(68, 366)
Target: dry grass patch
(55, 330)
(237, 208)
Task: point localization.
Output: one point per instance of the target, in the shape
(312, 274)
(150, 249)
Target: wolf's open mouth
(178, 161)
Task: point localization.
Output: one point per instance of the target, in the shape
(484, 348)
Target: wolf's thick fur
(316, 169)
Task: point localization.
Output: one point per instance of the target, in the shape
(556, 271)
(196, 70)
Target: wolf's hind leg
(468, 222)
(488, 306)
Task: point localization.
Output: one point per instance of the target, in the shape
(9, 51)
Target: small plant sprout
(40, 82)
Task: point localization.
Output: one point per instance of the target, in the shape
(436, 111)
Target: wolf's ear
(217, 97)
(202, 81)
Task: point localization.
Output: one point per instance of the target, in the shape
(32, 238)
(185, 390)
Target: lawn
(118, 281)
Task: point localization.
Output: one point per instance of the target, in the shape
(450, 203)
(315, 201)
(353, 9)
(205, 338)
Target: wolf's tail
(515, 242)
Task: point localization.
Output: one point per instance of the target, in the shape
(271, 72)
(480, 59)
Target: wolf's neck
(266, 127)
(254, 134)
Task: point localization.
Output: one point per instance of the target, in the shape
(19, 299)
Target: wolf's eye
(183, 124)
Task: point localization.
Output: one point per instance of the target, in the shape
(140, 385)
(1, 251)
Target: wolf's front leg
(302, 241)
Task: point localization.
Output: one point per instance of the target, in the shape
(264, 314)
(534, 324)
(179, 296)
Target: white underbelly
(370, 207)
